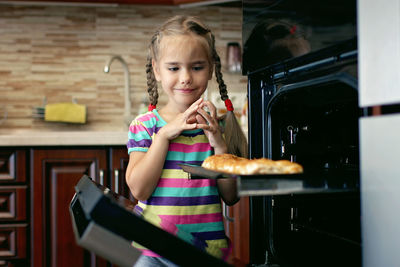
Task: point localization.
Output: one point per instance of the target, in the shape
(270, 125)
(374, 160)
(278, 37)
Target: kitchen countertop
(30, 138)
(65, 138)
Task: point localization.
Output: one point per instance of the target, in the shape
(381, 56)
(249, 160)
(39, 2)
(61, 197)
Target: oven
(304, 108)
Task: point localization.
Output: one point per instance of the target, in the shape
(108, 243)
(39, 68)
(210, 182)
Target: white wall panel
(379, 52)
(380, 190)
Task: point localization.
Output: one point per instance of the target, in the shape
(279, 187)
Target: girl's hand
(209, 123)
(183, 121)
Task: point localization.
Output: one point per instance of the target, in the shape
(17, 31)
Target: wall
(59, 52)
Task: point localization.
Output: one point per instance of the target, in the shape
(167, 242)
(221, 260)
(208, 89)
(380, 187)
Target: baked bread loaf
(232, 164)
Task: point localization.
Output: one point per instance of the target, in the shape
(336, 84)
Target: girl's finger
(191, 126)
(191, 119)
(211, 107)
(197, 103)
(203, 124)
(192, 109)
(200, 119)
(205, 115)
(204, 127)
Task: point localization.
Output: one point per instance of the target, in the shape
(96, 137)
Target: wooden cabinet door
(54, 175)
(238, 232)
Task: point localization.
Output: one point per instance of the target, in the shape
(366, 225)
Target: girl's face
(183, 70)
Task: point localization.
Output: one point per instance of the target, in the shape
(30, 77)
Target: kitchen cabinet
(35, 224)
(55, 172)
(13, 208)
(54, 175)
(237, 229)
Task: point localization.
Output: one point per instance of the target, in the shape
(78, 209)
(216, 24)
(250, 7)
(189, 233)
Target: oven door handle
(225, 213)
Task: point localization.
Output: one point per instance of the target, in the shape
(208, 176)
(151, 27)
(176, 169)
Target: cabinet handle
(101, 172)
(225, 213)
(116, 180)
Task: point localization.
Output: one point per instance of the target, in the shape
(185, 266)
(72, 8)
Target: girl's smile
(185, 90)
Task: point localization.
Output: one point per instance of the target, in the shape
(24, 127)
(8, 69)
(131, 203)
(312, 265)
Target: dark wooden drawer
(13, 203)
(13, 240)
(12, 166)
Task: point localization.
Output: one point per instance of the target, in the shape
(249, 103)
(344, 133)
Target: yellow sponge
(65, 112)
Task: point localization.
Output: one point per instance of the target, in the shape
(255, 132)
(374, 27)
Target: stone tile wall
(58, 53)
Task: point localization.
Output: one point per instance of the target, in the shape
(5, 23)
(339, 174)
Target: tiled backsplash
(59, 53)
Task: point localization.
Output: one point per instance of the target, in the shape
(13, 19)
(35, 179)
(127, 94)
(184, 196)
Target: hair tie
(151, 107)
(228, 104)
(293, 29)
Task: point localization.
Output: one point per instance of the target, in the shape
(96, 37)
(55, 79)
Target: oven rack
(324, 181)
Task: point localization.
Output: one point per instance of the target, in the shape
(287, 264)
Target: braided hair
(188, 25)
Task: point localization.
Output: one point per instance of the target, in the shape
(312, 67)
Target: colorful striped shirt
(189, 209)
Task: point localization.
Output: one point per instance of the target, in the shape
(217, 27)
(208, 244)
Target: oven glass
(277, 29)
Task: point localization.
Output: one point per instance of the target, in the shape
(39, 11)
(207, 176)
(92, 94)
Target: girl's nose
(186, 78)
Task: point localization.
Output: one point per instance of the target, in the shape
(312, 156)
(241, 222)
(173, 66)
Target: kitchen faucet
(127, 110)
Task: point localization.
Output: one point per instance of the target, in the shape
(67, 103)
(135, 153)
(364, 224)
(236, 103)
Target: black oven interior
(316, 230)
(309, 116)
(315, 123)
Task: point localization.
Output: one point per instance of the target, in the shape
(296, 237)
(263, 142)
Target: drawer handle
(116, 180)
(101, 177)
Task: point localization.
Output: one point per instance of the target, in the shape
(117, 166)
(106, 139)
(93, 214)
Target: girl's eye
(173, 68)
(197, 68)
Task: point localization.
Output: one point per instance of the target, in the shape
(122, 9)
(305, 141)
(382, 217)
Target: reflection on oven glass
(272, 41)
(320, 23)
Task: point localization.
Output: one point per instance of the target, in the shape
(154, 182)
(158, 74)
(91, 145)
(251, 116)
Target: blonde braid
(218, 75)
(235, 139)
(218, 71)
(151, 82)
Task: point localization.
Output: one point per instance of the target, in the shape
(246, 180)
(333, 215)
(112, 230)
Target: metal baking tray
(281, 184)
(198, 172)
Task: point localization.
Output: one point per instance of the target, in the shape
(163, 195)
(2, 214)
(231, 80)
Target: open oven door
(104, 222)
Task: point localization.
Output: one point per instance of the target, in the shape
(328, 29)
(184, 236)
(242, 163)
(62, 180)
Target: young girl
(182, 57)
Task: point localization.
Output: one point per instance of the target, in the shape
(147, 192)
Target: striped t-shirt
(190, 209)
